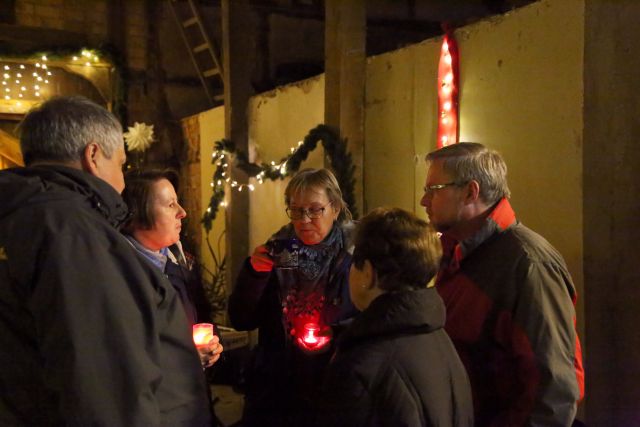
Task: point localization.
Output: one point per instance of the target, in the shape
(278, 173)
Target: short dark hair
(137, 196)
(59, 130)
(404, 250)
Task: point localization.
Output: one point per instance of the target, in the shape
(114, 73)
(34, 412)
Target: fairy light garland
(25, 81)
(225, 155)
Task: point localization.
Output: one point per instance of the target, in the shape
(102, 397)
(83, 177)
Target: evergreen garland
(335, 149)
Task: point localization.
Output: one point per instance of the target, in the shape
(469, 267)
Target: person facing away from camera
(395, 364)
(153, 229)
(90, 333)
(295, 289)
(509, 296)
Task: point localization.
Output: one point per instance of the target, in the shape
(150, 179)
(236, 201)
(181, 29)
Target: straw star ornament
(139, 137)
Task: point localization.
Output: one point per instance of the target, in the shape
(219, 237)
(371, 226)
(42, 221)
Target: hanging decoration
(139, 137)
(448, 131)
(225, 152)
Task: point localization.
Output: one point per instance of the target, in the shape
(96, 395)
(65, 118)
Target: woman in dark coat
(395, 365)
(295, 289)
(154, 231)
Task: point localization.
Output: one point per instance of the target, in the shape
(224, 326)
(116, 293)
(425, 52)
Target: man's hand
(261, 260)
(210, 352)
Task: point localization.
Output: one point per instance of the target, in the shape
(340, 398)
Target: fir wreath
(335, 149)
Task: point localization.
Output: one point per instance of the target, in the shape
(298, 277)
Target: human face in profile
(168, 215)
(445, 202)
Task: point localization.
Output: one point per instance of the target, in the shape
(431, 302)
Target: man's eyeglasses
(311, 213)
(430, 189)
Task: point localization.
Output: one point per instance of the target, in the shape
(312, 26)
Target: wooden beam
(35, 37)
(238, 52)
(345, 54)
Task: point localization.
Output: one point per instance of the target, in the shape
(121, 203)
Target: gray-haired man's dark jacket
(90, 334)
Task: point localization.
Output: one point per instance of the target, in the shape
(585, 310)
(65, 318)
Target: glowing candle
(310, 330)
(202, 333)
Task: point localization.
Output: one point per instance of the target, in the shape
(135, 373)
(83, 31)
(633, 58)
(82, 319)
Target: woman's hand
(210, 352)
(261, 260)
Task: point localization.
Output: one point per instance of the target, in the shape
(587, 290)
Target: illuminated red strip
(448, 132)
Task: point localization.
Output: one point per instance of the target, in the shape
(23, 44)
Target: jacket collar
(500, 219)
(401, 312)
(53, 182)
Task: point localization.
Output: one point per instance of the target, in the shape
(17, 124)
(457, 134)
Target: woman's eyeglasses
(311, 213)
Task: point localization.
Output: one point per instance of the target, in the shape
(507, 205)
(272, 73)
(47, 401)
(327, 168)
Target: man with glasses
(508, 294)
(295, 289)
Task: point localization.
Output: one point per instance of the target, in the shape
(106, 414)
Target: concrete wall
(277, 121)
(211, 125)
(611, 206)
(400, 125)
(521, 93)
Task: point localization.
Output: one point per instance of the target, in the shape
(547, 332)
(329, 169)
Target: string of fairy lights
(226, 154)
(31, 78)
(221, 157)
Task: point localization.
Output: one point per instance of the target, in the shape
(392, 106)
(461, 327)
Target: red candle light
(310, 330)
(202, 333)
(310, 341)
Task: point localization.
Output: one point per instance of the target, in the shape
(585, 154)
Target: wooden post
(236, 43)
(345, 54)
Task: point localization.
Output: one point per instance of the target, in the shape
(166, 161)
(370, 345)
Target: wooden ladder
(201, 47)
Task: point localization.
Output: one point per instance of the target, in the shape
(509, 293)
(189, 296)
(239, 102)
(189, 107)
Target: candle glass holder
(202, 333)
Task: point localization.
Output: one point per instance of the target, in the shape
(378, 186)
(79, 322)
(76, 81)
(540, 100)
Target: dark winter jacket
(510, 313)
(283, 380)
(90, 334)
(182, 272)
(396, 366)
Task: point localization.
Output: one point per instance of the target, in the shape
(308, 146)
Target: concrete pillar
(611, 210)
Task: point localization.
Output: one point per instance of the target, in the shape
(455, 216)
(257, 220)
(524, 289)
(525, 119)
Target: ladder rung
(211, 72)
(189, 22)
(200, 48)
(219, 97)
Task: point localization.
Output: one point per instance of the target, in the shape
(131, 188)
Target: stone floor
(227, 405)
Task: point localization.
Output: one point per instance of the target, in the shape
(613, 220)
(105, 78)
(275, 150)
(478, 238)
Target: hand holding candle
(208, 344)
